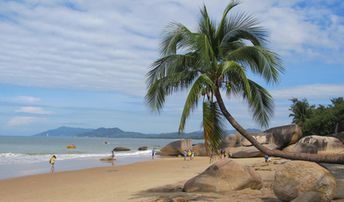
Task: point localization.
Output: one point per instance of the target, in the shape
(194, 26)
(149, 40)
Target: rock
(245, 152)
(283, 136)
(232, 140)
(121, 149)
(224, 176)
(315, 144)
(260, 137)
(143, 148)
(176, 148)
(311, 196)
(199, 150)
(248, 152)
(109, 158)
(301, 148)
(323, 143)
(297, 177)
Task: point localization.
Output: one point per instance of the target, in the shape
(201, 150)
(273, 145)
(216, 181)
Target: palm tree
(301, 110)
(213, 60)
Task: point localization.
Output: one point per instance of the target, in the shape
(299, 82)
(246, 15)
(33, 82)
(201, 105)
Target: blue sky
(82, 63)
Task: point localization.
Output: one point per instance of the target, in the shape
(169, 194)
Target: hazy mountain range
(118, 133)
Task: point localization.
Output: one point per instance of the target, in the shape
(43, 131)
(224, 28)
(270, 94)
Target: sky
(82, 63)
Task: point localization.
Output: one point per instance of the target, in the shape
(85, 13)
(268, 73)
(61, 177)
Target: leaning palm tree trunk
(320, 158)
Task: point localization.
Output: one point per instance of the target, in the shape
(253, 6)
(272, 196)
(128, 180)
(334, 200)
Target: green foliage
(301, 110)
(321, 120)
(213, 126)
(215, 57)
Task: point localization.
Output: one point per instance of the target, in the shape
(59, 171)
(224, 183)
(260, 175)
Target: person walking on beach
(189, 154)
(52, 163)
(153, 153)
(185, 154)
(113, 155)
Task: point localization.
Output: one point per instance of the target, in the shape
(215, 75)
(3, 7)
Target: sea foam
(19, 158)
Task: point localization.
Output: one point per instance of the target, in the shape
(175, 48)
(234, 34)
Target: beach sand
(153, 180)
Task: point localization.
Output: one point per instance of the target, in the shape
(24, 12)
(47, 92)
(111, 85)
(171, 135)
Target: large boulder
(199, 150)
(315, 144)
(260, 137)
(224, 176)
(323, 143)
(245, 152)
(117, 149)
(301, 148)
(176, 148)
(295, 178)
(232, 140)
(283, 136)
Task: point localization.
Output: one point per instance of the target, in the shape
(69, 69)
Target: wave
(20, 158)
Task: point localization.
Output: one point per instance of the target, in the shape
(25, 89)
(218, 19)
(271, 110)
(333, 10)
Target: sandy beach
(153, 180)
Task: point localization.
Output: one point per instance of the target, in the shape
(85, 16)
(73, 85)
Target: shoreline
(37, 168)
(151, 180)
(119, 183)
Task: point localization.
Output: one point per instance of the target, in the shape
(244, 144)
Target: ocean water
(20, 156)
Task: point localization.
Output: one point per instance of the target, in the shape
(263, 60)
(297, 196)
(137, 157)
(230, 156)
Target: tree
(301, 110)
(320, 120)
(215, 59)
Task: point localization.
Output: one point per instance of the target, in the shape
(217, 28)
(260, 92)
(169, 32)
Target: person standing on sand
(185, 154)
(113, 155)
(52, 163)
(153, 153)
(189, 154)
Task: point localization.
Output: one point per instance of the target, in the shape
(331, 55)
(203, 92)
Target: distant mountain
(118, 133)
(109, 132)
(64, 131)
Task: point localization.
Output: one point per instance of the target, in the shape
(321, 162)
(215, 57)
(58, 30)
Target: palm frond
(261, 103)
(162, 87)
(176, 36)
(213, 126)
(243, 26)
(195, 92)
(235, 78)
(260, 60)
(223, 23)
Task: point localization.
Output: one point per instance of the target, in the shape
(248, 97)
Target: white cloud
(27, 99)
(316, 91)
(109, 45)
(20, 120)
(32, 110)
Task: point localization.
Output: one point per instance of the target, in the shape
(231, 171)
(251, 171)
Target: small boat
(106, 142)
(71, 146)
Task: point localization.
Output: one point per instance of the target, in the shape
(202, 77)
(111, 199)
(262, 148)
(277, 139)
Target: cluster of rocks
(294, 181)
(120, 149)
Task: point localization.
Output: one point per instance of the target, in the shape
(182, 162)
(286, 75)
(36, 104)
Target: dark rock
(143, 148)
(121, 149)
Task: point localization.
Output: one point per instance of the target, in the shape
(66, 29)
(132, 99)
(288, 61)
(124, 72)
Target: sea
(23, 155)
